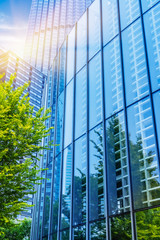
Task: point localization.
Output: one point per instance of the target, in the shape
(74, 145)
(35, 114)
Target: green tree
(21, 133)
(20, 230)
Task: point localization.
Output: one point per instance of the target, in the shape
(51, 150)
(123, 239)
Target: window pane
(79, 196)
(136, 80)
(118, 187)
(110, 20)
(152, 23)
(146, 4)
(80, 233)
(56, 188)
(129, 11)
(66, 188)
(94, 28)
(59, 127)
(98, 230)
(82, 42)
(144, 166)
(96, 175)
(95, 91)
(71, 55)
(121, 227)
(113, 78)
(64, 235)
(81, 103)
(62, 68)
(47, 200)
(68, 114)
(147, 223)
(156, 98)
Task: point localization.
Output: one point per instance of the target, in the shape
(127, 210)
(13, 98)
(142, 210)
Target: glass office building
(103, 178)
(49, 22)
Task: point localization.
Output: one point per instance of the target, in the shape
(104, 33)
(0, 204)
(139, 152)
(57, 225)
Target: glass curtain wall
(105, 175)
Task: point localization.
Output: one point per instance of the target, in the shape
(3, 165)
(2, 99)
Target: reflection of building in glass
(49, 22)
(105, 169)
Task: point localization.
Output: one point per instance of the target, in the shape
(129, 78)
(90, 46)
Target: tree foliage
(21, 133)
(18, 230)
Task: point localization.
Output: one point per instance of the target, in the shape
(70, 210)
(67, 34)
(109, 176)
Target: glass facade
(49, 22)
(105, 177)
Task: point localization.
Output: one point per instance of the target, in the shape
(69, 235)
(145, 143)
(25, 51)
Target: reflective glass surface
(62, 68)
(136, 80)
(152, 23)
(66, 188)
(79, 233)
(94, 28)
(56, 187)
(121, 227)
(147, 223)
(68, 114)
(129, 11)
(98, 230)
(156, 98)
(59, 127)
(118, 183)
(79, 195)
(47, 200)
(144, 165)
(146, 4)
(81, 42)
(96, 174)
(113, 78)
(110, 20)
(64, 235)
(81, 103)
(95, 91)
(70, 55)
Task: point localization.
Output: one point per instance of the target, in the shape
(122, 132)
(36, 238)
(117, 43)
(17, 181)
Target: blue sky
(14, 16)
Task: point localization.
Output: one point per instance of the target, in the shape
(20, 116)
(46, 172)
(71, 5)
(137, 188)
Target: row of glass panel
(144, 171)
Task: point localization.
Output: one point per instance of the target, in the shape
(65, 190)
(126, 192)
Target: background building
(10, 64)
(49, 22)
(103, 177)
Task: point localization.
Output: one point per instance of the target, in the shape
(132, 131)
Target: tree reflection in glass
(118, 184)
(96, 177)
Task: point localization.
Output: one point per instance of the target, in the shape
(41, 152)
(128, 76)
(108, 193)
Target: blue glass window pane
(59, 126)
(81, 42)
(152, 23)
(146, 4)
(96, 176)
(71, 55)
(79, 195)
(129, 11)
(95, 91)
(118, 187)
(113, 78)
(136, 80)
(156, 98)
(66, 188)
(80, 233)
(94, 28)
(68, 114)
(144, 162)
(64, 235)
(47, 200)
(98, 230)
(121, 227)
(56, 189)
(62, 68)
(81, 103)
(110, 20)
